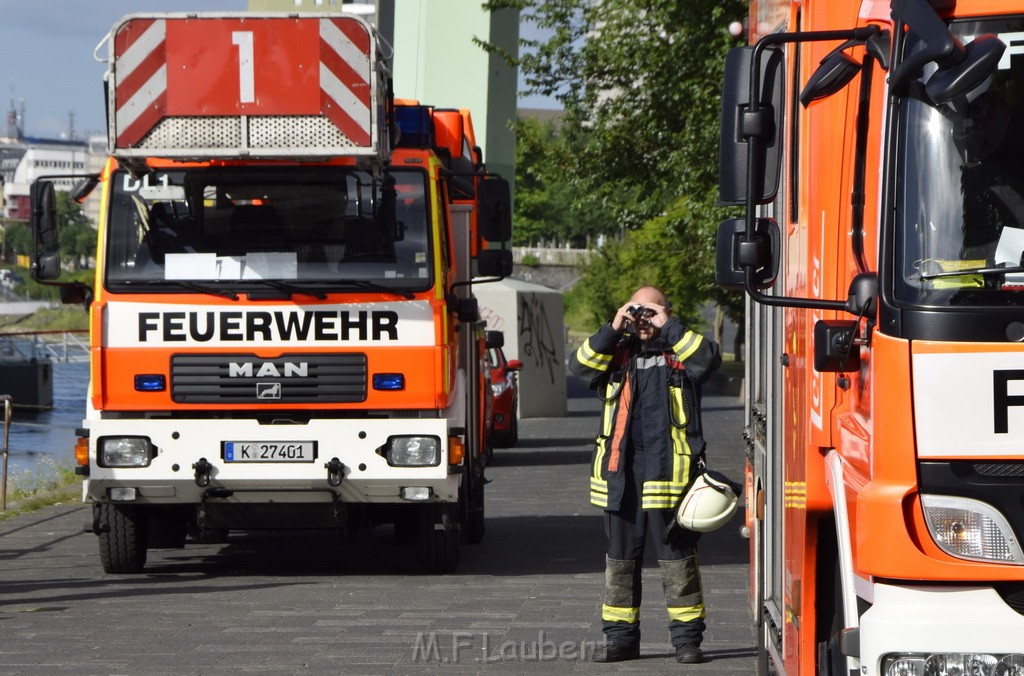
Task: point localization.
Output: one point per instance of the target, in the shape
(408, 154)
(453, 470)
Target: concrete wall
(531, 318)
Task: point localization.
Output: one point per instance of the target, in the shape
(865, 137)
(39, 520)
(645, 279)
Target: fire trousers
(628, 530)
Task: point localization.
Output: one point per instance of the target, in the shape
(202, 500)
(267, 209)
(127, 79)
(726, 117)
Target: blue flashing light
(150, 382)
(416, 126)
(388, 381)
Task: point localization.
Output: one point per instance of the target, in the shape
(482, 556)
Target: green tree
(17, 238)
(546, 209)
(640, 81)
(77, 236)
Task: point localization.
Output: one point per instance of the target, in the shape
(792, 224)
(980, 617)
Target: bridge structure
(555, 268)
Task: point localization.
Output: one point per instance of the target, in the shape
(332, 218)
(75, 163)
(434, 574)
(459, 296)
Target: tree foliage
(76, 234)
(640, 82)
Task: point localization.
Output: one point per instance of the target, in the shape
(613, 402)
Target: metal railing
(64, 346)
(8, 403)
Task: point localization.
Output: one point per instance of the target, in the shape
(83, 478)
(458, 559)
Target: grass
(64, 318)
(49, 484)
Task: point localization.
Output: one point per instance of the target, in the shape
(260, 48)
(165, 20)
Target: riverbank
(50, 486)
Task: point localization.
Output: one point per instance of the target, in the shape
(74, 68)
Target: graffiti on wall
(494, 321)
(537, 337)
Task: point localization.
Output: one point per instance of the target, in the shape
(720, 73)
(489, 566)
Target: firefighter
(647, 367)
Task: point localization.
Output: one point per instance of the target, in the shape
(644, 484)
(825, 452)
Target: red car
(505, 389)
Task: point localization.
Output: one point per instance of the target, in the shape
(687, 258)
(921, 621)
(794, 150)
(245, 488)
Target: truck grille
(288, 379)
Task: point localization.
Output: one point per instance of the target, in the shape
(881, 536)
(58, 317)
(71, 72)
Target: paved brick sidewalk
(524, 600)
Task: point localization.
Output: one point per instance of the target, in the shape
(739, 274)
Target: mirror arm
(754, 150)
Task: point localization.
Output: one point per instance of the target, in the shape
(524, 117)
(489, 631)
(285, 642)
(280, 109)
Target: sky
(46, 58)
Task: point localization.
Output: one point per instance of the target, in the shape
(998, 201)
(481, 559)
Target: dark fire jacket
(663, 377)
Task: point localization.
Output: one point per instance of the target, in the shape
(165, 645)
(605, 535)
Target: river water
(40, 441)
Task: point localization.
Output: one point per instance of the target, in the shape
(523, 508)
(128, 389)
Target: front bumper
(938, 619)
(183, 444)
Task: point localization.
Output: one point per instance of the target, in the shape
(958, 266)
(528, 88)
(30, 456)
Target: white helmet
(708, 505)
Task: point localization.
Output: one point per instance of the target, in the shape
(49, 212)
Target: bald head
(649, 294)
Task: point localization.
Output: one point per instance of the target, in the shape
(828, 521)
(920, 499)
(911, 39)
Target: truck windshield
(960, 199)
(288, 228)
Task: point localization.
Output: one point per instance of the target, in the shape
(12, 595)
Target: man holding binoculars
(647, 368)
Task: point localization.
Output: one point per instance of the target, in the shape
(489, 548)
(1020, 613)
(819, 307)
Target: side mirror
(44, 213)
(465, 309)
(76, 293)
(515, 365)
(834, 351)
(494, 221)
(862, 295)
(834, 73)
(739, 125)
(494, 263)
(46, 267)
(494, 339)
(734, 254)
(983, 55)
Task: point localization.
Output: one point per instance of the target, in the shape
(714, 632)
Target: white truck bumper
(366, 476)
(922, 621)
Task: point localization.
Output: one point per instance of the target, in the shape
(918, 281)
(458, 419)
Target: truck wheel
(473, 517)
(437, 539)
(513, 432)
(123, 538)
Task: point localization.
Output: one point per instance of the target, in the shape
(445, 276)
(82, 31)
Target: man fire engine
(283, 332)
(874, 148)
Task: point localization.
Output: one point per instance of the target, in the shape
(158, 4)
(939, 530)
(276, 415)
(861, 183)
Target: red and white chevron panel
(140, 92)
(229, 66)
(345, 77)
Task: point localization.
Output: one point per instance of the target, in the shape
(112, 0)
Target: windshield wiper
(191, 286)
(292, 288)
(972, 271)
(372, 286)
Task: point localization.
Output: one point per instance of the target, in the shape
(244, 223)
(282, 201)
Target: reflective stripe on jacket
(671, 369)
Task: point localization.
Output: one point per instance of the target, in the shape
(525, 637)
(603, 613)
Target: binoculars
(639, 311)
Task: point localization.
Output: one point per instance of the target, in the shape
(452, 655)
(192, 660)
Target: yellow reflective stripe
(678, 407)
(598, 485)
(687, 345)
(617, 614)
(598, 501)
(602, 441)
(587, 356)
(687, 613)
(651, 487)
(657, 502)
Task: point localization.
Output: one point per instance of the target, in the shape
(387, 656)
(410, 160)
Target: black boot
(617, 652)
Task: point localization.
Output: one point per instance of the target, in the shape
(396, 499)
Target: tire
(437, 539)
(513, 432)
(763, 661)
(123, 536)
(831, 662)
(508, 438)
(473, 526)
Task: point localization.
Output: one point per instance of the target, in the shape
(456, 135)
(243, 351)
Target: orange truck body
(885, 460)
(308, 355)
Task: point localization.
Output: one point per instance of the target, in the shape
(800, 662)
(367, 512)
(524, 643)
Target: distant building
(24, 160)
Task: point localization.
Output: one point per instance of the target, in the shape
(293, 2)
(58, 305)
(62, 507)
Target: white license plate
(269, 451)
